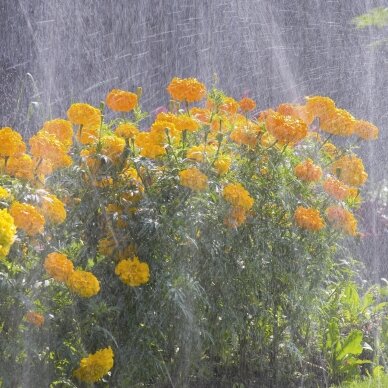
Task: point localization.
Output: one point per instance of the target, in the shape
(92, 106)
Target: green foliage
(376, 17)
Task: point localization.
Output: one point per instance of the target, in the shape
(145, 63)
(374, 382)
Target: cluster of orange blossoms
(204, 145)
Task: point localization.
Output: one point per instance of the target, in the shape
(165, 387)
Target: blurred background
(57, 52)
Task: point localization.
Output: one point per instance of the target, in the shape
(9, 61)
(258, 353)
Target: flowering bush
(196, 249)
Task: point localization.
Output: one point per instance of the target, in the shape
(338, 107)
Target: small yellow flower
(127, 131)
(27, 218)
(133, 272)
(194, 179)
(4, 194)
(350, 170)
(11, 142)
(121, 100)
(298, 111)
(53, 209)
(307, 171)
(58, 266)
(95, 366)
(222, 164)
(309, 218)
(238, 196)
(7, 232)
(83, 283)
(336, 189)
(84, 114)
(186, 89)
(286, 129)
(21, 167)
(62, 129)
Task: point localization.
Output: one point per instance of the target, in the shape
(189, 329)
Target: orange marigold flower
(320, 106)
(366, 130)
(199, 152)
(201, 114)
(194, 179)
(286, 129)
(62, 129)
(229, 105)
(133, 272)
(85, 115)
(247, 104)
(11, 143)
(181, 122)
(34, 318)
(244, 136)
(121, 100)
(21, 166)
(236, 217)
(330, 150)
(350, 170)
(307, 171)
(336, 189)
(342, 219)
(112, 147)
(83, 283)
(53, 209)
(27, 218)
(222, 164)
(95, 366)
(148, 147)
(309, 218)
(238, 196)
(298, 111)
(58, 266)
(340, 122)
(127, 131)
(186, 89)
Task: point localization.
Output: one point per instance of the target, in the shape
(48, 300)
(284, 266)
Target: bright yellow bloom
(200, 151)
(320, 106)
(11, 142)
(336, 189)
(181, 122)
(133, 272)
(350, 170)
(112, 147)
(285, 129)
(366, 130)
(4, 194)
(298, 111)
(121, 100)
(193, 179)
(340, 122)
(53, 209)
(235, 218)
(34, 318)
(21, 167)
(88, 135)
(247, 104)
(7, 232)
(27, 218)
(201, 114)
(244, 135)
(58, 266)
(238, 196)
(186, 89)
(127, 131)
(148, 148)
(222, 164)
(330, 150)
(342, 219)
(229, 106)
(95, 366)
(83, 283)
(62, 129)
(309, 218)
(307, 171)
(85, 115)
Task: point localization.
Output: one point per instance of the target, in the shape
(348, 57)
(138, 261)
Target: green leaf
(332, 334)
(352, 345)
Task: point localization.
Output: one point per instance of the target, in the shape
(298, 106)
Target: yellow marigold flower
(200, 151)
(193, 179)
(21, 167)
(147, 146)
(27, 218)
(83, 283)
(245, 136)
(95, 366)
(307, 171)
(286, 129)
(34, 318)
(121, 100)
(229, 105)
(45, 145)
(350, 170)
(85, 115)
(330, 150)
(354, 198)
(222, 164)
(186, 89)
(320, 106)
(4, 193)
(366, 130)
(88, 135)
(336, 189)
(247, 104)
(127, 131)
(88, 157)
(7, 232)
(53, 209)
(298, 111)
(340, 123)
(133, 272)
(112, 147)
(43, 166)
(62, 129)
(309, 218)
(238, 196)
(186, 123)
(235, 218)
(342, 219)
(11, 143)
(58, 266)
(267, 140)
